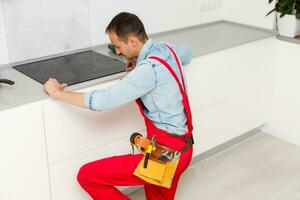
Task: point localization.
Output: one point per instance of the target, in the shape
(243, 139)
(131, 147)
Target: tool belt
(160, 162)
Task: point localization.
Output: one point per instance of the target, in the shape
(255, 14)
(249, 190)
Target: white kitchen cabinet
(219, 123)
(250, 78)
(63, 174)
(239, 75)
(72, 130)
(23, 168)
(229, 94)
(285, 114)
(206, 80)
(244, 71)
(241, 92)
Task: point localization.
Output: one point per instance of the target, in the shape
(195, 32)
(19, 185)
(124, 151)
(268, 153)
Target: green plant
(286, 7)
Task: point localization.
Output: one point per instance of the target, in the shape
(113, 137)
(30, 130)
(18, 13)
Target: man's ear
(132, 41)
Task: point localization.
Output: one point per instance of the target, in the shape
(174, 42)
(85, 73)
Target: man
(156, 82)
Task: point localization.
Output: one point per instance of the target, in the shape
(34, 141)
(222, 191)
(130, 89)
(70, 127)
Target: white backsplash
(98, 35)
(3, 44)
(249, 12)
(157, 16)
(38, 28)
(3, 47)
(1, 16)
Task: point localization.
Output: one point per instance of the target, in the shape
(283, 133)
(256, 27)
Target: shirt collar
(145, 50)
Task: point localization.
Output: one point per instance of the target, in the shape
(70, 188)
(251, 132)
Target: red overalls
(98, 178)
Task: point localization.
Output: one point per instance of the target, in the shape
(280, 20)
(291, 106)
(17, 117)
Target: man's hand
(53, 88)
(130, 65)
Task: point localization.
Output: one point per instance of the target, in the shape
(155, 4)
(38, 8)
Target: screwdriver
(150, 148)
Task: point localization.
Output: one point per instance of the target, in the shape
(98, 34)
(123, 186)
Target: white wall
(39, 28)
(285, 116)
(157, 15)
(251, 12)
(3, 43)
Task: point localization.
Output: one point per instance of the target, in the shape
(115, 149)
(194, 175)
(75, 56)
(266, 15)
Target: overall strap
(185, 100)
(178, 64)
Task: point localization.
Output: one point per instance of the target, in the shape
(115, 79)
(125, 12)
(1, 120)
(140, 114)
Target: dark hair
(125, 24)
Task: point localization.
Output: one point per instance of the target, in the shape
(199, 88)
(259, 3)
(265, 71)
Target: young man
(157, 84)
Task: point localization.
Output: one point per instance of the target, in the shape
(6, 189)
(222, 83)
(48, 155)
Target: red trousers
(98, 178)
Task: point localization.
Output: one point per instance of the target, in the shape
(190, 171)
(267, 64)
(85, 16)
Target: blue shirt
(153, 83)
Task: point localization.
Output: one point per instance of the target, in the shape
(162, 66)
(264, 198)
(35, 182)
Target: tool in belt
(160, 162)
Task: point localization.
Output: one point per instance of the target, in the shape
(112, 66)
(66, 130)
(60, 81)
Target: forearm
(75, 98)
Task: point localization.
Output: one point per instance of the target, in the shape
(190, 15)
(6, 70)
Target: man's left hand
(130, 64)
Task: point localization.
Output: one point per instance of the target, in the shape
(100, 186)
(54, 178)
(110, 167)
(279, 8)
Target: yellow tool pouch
(157, 173)
(159, 163)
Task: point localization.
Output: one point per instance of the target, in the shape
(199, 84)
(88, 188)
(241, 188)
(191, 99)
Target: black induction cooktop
(72, 69)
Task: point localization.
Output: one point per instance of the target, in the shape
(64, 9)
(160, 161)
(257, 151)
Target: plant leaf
(298, 14)
(271, 12)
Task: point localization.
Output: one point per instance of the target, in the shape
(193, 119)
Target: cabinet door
(250, 77)
(284, 120)
(206, 80)
(63, 174)
(71, 130)
(244, 102)
(23, 168)
(217, 124)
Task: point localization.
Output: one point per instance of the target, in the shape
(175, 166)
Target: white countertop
(202, 39)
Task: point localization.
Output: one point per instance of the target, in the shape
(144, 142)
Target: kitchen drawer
(63, 175)
(225, 120)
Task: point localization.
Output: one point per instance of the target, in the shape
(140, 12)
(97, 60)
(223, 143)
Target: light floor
(261, 167)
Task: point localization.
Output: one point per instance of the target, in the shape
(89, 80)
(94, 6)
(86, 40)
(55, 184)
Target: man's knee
(83, 175)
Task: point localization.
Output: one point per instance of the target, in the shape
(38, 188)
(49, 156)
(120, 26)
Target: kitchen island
(44, 142)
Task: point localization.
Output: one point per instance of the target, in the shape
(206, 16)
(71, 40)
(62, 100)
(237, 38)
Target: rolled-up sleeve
(135, 84)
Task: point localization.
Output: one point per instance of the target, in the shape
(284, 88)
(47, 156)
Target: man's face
(122, 47)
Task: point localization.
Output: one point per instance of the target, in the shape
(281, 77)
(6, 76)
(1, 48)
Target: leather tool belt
(159, 163)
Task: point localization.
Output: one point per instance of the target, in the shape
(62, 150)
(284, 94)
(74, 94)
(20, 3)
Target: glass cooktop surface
(72, 69)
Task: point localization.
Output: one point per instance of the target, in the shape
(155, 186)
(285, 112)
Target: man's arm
(75, 98)
(54, 89)
(137, 83)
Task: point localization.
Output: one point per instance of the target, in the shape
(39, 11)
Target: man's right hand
(53, 88)
(130, 65)
(56, 90)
